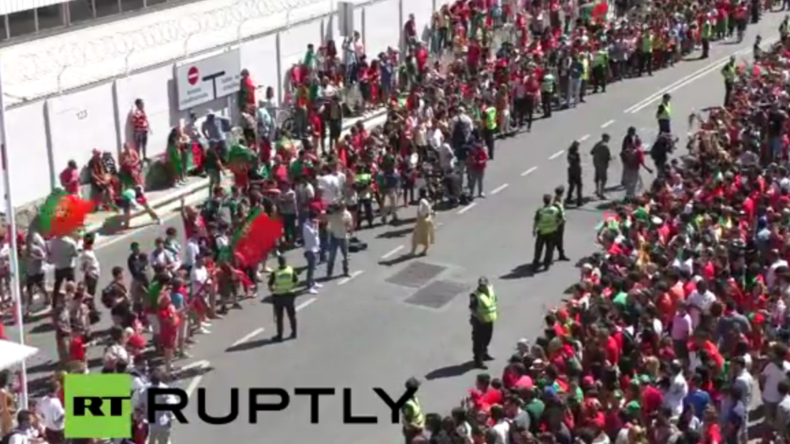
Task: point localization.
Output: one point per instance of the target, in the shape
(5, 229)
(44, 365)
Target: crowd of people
(677, 330)
(485, 73)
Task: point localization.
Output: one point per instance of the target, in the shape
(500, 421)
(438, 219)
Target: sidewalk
(99, 220)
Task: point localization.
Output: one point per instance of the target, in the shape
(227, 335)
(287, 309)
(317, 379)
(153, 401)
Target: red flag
(257, 237)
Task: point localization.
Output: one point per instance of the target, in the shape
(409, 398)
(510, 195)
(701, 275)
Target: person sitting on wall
(103, 182)
(131, 167)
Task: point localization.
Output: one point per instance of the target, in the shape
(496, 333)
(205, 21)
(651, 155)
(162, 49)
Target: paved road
(378, 328)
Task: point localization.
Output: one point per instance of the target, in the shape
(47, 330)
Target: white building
(71, 70)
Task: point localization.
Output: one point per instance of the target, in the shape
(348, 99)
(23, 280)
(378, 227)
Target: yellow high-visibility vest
(486, 305)
(665, 111)
(283, 281)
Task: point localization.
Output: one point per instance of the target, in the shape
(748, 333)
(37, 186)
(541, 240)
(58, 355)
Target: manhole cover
(416, 275)
(437, 294)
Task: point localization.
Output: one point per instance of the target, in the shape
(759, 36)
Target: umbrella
(12, 353)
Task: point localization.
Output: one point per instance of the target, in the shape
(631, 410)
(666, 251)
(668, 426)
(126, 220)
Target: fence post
(279, 64)
(120, 128)
(53, 183)
(401, 37)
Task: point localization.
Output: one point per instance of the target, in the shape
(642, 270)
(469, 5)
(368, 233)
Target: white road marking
(557, 154)
(529, 171)
(344, 281)
(687, 79)
(583, 138)
(305, 304)
(499, 188)
(607, 124)
(202, 363)
(195, 382)
(248, 336)
(467, 208)
(392, 252)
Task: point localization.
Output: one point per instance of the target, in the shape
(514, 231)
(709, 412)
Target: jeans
(574, 89)
(335, 244)
(311, 261)
(476, 179)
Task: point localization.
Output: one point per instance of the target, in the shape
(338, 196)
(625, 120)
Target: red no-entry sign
(193, 75)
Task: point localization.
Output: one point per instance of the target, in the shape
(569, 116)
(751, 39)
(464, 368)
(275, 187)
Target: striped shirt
(139, 121)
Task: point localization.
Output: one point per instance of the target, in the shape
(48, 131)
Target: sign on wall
(204, 80)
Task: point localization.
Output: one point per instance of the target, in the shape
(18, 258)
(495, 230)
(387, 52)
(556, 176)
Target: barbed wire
(35, 65)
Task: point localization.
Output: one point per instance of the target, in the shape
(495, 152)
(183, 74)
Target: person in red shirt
(476, 164)
(483, 396)
(70, 178)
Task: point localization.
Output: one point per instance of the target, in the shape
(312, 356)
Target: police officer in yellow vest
(282, 283)
(664, 115)
(489, 127)
(730, 75)
(600, 70)
(584, 58)
(706, 33)
(646, 52)
(412, 417)
(482, 305)
(544, 229)
(548, 84)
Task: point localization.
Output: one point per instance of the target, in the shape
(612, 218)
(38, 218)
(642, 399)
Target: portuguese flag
(62, 213)
(240, 159)
(255, 238)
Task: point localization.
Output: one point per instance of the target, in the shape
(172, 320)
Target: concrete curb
(375, 118)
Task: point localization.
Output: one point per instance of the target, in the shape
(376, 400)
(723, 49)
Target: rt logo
(98, 406)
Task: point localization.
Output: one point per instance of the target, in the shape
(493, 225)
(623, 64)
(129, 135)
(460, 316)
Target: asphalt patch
(437, 294)
(416, 274)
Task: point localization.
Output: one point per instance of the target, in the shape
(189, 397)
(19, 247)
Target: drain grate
(416, 275)
(437, 294)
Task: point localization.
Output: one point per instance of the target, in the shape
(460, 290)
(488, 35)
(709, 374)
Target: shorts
(600, 175)
(34, 280)
(167, 337)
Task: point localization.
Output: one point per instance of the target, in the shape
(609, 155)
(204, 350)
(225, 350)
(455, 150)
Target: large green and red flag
(62, 213)
(255, 238)
(240, 159)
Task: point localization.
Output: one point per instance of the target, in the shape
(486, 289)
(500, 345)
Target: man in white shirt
(63, 253)
(200, 283)
(53, 416)
(776, 263)
(163, 257)
(340, 224)
(501, 426)
(89, 266)
(331, 185)
(312, 246)
(192, 251)
(700, 301)
(677, 390)
(24, 433)
(773, 373)
(160, 429)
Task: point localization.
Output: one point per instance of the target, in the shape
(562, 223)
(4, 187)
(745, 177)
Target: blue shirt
(213, 130)
(699, 399)
(178, 300)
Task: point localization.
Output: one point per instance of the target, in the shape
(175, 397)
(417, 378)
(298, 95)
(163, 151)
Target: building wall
(45, 134)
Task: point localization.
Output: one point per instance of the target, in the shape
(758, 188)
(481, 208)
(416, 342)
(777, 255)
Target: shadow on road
(520, 272)
(450, 371)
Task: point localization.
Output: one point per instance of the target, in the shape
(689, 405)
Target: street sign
(193, 75)
(201, 81)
